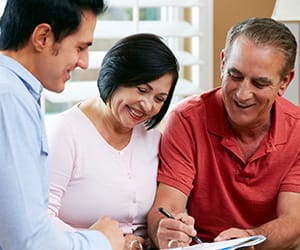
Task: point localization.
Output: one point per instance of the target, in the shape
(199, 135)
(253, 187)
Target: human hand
(111, 229)
(233, 233)
(179, 229)
(133, 242)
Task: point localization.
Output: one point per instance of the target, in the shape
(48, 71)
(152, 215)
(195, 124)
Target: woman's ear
(285, 82)
(41, 36)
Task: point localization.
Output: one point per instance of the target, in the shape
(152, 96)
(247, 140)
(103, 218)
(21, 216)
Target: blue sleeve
(25, 223)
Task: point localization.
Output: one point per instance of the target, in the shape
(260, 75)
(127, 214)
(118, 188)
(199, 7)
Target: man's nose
(83, 60)
(245, 90)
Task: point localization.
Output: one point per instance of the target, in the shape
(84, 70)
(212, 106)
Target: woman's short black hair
(134, 60)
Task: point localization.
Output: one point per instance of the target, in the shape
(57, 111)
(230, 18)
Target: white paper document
(227, 244)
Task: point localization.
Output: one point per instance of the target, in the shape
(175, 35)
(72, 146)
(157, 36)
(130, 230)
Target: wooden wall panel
(229, 12)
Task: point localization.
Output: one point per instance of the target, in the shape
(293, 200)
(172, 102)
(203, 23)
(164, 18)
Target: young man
(231, 157)
(41, 43)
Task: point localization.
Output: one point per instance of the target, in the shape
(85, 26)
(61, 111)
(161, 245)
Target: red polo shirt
(201, 157)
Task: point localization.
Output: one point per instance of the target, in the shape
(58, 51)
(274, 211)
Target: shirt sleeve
(177, 161)
(61, 166)
(291, 182)
(25, 222)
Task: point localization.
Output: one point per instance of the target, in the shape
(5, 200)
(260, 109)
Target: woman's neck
(107, 126)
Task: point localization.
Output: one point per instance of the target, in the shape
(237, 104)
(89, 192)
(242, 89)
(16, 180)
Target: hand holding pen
(196, 239)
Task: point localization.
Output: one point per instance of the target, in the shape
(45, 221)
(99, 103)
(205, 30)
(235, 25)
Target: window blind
(186, 27)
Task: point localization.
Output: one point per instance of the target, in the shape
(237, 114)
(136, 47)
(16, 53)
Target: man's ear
(222, 58)
(285, 82)
(41, 36)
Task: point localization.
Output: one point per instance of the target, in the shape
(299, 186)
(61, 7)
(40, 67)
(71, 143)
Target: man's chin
(56, 88)
(60, 90)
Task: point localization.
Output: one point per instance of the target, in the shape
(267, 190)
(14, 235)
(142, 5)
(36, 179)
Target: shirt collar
(219, 124)
(31, 83)
(284, 115)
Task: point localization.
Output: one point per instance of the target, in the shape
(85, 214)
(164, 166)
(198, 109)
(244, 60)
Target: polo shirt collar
(218, 124)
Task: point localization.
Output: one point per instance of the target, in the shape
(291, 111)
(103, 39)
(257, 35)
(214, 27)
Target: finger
(185, 218)
(174, 229)
(232, 233)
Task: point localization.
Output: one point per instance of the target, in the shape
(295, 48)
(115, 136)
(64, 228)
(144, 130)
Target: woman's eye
(159, 99)
(142, 90)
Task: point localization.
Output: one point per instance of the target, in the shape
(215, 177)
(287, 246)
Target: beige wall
(227, 13)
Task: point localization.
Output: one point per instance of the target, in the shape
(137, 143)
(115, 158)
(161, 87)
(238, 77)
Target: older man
(230, 158)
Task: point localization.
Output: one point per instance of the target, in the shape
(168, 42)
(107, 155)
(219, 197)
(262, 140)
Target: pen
(167, 214)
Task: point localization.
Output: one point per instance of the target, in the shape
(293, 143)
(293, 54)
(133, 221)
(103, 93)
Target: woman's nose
(147, 104)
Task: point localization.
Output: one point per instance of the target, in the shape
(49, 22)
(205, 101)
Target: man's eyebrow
(234, 70)
(263, 80)
(85, 43)
(259, 79)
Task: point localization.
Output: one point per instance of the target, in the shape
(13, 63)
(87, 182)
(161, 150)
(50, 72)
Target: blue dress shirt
(24, 220)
